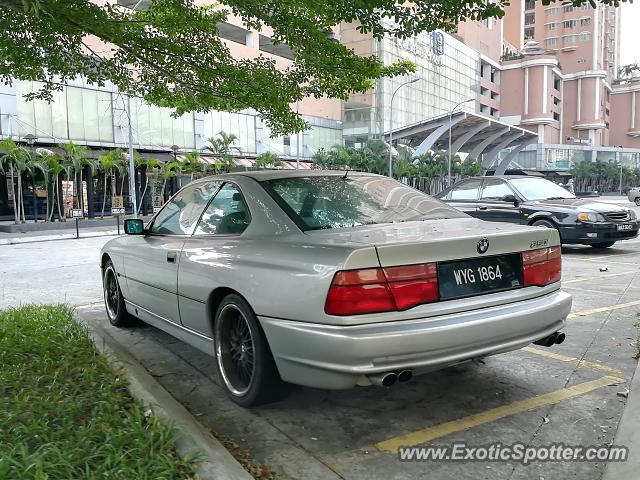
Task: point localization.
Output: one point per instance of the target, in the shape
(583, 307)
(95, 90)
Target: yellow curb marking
(619, 306)
(575, 361)
(431, 433)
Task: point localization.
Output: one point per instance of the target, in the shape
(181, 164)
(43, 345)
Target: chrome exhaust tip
(551, 340)
(404, 376)
(385, 379)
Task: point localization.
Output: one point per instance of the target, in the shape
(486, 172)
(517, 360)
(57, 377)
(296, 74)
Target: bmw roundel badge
(483, 245)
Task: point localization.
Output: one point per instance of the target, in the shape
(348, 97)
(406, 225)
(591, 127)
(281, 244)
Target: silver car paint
(285, 274)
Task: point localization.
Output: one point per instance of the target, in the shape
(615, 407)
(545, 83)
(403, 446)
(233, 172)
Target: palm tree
(9, 151)
(267, 160)
(192, 164)
(108, 162)
(41, 164)
(168, 171)
(152, 168)
(56, 168)
(76, 156)
(221, 147)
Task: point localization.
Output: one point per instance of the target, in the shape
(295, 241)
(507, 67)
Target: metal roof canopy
(478, 135)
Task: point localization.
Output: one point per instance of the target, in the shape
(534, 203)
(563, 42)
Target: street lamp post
(620, 162)
(413, 80)
(30, 140)
(449, 150)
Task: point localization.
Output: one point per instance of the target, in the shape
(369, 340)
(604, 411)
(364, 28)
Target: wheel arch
(104, 259)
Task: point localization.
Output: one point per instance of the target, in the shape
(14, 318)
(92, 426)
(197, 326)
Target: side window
(180, 214)
(466, 191)
(227, 214)
(495, 190)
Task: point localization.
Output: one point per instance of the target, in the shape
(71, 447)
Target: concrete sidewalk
(61, 234)
(628, 435)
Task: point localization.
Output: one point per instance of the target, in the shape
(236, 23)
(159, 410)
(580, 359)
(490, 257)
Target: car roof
(262, 175)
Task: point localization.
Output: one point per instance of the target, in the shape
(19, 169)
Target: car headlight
(632, 215)
(590, 217)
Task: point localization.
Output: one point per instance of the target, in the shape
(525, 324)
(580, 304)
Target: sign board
(117, 201)
(117, 211)
(156, 209)
(77, 213)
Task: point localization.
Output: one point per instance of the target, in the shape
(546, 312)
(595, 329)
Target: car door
(492, 205)
(464, 195)
(152, 262)
(209, 257)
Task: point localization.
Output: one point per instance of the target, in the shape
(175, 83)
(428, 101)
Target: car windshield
(540, 189)
(332, 201)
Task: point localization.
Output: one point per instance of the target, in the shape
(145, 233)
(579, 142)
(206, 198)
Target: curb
(193, 439)
(628, 435)
(49, 238)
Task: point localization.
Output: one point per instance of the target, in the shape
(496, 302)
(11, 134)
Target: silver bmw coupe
(332, 279)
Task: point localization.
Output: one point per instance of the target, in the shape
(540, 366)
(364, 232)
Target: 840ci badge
(477, 276)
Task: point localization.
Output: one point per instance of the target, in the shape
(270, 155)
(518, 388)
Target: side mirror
(133, 226)
(511, 199)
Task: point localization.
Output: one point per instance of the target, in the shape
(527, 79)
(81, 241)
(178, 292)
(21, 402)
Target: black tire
(113, 299)
(245, 363)
(637, 201)
(602, 245)
(544, 223)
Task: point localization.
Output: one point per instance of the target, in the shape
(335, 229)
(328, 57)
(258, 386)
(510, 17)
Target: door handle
(171, 257)
(482, 208)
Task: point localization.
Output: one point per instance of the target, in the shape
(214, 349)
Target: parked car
(539, 202)
(331, 280)
(634, 195)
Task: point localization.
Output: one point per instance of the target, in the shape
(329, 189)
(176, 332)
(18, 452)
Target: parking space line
(619, 306)
(598, 277)
(573, 360)
(608, 262)
(465, 423)
(592, 291)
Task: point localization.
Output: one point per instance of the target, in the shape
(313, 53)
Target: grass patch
(64, 412)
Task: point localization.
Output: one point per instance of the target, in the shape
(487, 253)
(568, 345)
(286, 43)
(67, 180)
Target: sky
(629, 33)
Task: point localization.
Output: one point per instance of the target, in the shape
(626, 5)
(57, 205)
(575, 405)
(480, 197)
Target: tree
(152, 169)
(221, 147)
(192, 165)
(268, 160)
(629, 71)
(9, 151)
(108, 163)
(170, 53)
(75, 156)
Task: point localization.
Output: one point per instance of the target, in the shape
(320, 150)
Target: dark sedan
(536, 201)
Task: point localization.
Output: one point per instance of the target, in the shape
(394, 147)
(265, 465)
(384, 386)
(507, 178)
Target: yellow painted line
(575, 361)
(437, 431)
(619, 306)
(570, 287)
(598, 277)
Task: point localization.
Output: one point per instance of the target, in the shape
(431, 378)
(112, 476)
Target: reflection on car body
(332, 281)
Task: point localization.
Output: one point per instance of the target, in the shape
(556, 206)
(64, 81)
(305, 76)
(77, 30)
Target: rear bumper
(588, 233)
(336, 357)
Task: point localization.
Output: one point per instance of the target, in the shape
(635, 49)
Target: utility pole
(132, 168)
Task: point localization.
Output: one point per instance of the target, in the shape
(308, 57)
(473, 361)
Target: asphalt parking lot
(571, 393)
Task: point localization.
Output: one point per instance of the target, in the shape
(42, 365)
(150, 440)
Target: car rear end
(436, 293)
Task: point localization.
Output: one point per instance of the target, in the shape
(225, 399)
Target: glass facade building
(98, 117)
(448, 70)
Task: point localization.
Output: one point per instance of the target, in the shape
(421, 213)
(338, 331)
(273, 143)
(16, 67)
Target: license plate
(626, 226)
(477, 276)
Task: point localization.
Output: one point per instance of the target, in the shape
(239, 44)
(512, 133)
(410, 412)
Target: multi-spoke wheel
(113, 299)
(244, 360)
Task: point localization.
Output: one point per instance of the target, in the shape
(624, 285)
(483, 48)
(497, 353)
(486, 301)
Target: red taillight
(375, 290)
(542, 266)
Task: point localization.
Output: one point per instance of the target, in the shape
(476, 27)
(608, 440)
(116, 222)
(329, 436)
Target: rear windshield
(335, 202)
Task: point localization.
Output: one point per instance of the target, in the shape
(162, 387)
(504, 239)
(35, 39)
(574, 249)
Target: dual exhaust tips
(387, 379)
(553, 339)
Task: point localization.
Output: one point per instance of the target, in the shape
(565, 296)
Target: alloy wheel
(235, 350)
